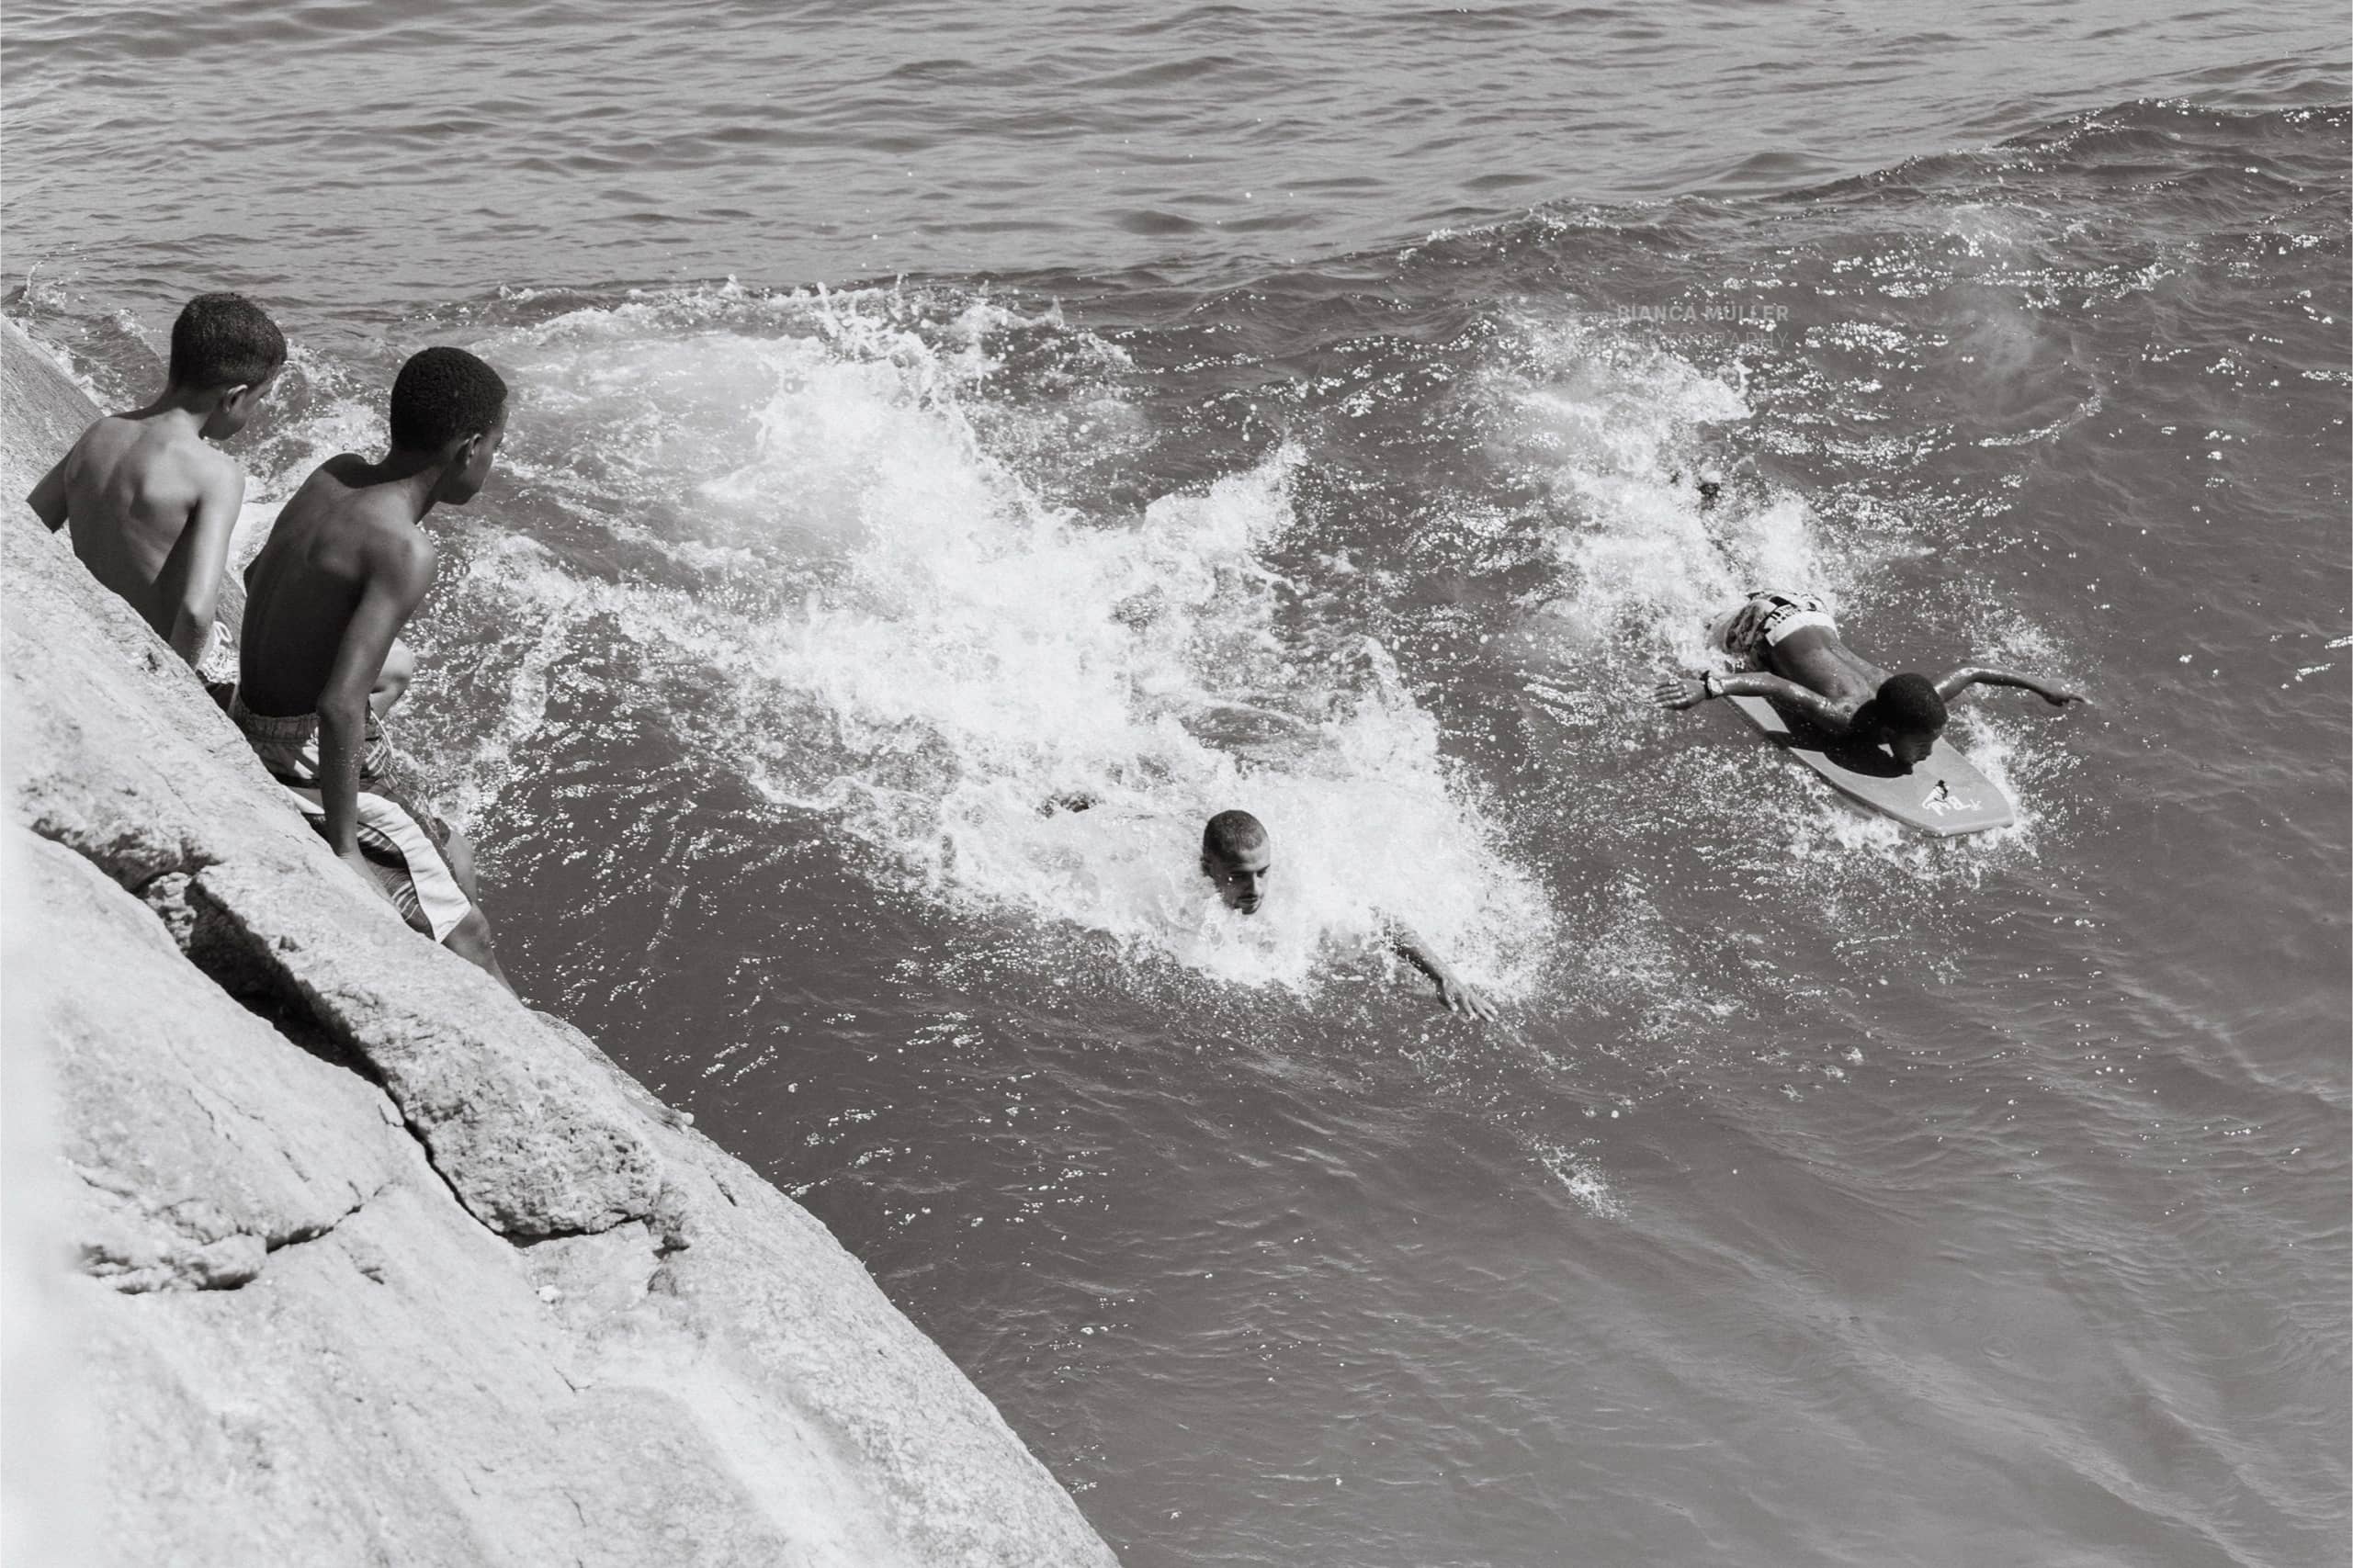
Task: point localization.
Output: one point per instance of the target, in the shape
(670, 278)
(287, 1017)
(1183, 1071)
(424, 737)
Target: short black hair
(1231, 833)
(1904, 704)
(224, 340)
(442, 394)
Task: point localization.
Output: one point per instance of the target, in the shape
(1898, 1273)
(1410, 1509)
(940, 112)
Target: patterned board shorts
(1785, 614)
(402, 843)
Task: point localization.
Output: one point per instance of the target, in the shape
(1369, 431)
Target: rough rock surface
(199, 1146)
(377, 1266)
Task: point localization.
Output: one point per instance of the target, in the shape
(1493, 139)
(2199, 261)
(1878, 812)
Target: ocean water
(929, 417)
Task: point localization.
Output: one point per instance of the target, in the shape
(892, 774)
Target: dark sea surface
(927, 415)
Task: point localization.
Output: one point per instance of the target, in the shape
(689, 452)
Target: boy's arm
(1689, 690)
(1457, 993)
(400, 570)
(47, 497)
(1970, 675)
(190, 585)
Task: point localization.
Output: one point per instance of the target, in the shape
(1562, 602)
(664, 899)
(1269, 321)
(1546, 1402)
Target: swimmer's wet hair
(442, 394)
(1230, 833)
(1904, 704)
(224, 340)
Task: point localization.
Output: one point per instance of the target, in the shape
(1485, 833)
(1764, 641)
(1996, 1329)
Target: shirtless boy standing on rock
(150, 505)
(1803, 663)
(344, 568)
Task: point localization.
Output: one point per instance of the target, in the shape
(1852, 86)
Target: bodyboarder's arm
(1970, 675)
(1689, 690)
(399, 572)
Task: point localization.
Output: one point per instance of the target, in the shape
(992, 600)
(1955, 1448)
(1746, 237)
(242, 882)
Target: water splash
(1027, 707)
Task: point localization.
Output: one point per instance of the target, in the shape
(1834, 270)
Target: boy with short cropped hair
(345, 567)
(150, 505)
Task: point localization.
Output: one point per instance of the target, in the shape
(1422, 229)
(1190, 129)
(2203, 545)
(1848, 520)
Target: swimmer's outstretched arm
(1675, 691)
(1458, 994)
(1970, 675)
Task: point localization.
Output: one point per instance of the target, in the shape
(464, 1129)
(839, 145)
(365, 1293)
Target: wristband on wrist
(1708, 684)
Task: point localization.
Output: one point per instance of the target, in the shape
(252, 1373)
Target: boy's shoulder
(338, 491)
(105, 435)
(125, 439)
(218, 467)
(330, 486)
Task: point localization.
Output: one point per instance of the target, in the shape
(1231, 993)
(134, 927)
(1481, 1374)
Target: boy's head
(1236, 855)
(1907, 714)
(449, 405)
(226, 344)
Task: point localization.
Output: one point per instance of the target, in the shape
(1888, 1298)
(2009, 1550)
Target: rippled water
(356, 161)
(1826, 1195)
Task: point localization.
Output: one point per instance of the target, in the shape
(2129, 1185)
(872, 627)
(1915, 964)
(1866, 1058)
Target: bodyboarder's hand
(1678, 691)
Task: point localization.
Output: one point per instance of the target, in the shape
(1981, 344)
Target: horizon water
(925, 418)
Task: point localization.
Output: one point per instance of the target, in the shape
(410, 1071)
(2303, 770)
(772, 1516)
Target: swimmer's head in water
(1907, 713)
(1236, 855)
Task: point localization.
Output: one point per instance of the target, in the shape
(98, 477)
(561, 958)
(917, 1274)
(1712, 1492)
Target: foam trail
(1581, 1178)
(1613, 431)
(908, 638)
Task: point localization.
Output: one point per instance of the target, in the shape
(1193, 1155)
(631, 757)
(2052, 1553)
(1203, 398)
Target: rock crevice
(204, 1257)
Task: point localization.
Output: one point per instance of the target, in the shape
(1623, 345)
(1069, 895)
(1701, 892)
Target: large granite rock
(375, 1265)
(114, 749)
(199, 1144)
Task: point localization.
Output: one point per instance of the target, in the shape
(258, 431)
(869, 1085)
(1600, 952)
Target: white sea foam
(1026, 708)
(1616, 433)
(1582, 1179)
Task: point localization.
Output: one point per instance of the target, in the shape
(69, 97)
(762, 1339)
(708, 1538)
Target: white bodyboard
(1945, 794)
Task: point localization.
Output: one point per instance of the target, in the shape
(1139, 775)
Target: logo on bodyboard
(1941, 800)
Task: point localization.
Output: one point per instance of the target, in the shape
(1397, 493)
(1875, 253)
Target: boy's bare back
(150, 504)
(139, 487)
(347, 533)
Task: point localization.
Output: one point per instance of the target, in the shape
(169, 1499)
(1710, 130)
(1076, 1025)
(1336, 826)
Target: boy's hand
(1679, 692)
(367, 874)
(2059, 697)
